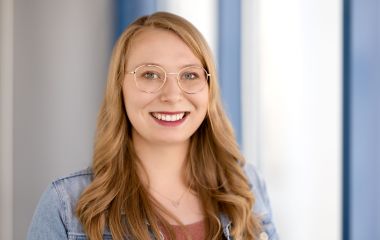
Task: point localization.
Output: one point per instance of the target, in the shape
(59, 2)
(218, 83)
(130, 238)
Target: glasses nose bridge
(173, 73)
(176, 78)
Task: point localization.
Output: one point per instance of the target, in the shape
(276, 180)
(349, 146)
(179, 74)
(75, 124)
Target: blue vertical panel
(126, 11)
(363, 52)
(346, 119)
(229, 60)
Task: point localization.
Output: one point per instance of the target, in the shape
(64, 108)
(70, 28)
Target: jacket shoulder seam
(85, 172)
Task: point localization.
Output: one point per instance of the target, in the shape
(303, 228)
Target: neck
(163, 163)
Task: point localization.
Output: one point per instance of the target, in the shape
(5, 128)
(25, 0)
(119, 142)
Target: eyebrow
(180, 67)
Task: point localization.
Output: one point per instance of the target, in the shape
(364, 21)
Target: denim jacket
(55, 217)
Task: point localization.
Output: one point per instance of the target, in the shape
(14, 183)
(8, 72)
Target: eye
(189, 76)
(150, 75)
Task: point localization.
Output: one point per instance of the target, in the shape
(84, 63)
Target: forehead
(161, 47)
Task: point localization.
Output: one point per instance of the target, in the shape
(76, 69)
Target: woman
(166, 164)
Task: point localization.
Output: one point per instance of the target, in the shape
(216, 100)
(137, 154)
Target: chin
(170, 138)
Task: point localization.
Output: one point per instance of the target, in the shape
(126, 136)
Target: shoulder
(262, 206)
(69, 189)
(73, 184)
(258, 188)
(55, 214)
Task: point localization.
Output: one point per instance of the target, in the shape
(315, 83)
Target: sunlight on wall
(292, 111)
(204, 18)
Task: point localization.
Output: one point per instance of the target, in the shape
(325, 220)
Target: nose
(171, 92)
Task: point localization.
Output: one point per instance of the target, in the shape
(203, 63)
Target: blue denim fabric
(55, 218)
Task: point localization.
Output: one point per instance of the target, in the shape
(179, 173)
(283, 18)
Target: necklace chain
(175, 203)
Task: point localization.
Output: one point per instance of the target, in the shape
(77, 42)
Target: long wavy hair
(117, 200)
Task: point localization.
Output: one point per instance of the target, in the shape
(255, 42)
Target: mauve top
(195, 230)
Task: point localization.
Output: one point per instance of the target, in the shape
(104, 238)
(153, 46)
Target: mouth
(169, 116)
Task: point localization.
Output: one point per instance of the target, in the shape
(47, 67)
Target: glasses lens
(192, 79)
(149, 78)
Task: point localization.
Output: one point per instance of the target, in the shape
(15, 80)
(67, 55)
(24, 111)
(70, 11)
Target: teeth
(169, 117)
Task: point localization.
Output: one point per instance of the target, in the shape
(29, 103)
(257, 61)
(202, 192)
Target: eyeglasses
(151, 78)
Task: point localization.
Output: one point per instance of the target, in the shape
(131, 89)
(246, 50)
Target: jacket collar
(226, 225)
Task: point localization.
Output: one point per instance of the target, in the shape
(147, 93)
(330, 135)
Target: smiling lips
(168, 117)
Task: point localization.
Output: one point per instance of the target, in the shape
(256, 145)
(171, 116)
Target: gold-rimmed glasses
(151, 78)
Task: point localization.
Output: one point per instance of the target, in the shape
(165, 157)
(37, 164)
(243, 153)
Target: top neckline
(200, 222)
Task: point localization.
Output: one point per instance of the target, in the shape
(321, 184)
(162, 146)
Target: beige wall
(6, 117)
(60, 57)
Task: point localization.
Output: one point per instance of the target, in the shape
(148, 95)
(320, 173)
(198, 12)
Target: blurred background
(299, 79)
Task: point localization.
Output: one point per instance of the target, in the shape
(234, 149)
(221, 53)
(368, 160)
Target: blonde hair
(117, 199)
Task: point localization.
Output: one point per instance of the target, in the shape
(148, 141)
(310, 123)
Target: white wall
(61, 54)
(292, 111)
(203, 14)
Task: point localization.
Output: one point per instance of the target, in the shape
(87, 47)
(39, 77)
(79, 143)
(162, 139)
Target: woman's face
(168, 115)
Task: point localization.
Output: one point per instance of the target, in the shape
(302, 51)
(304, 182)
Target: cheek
(135, 102)
(130, 103)
(133, 112)
(204, 100)
(201, 103)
